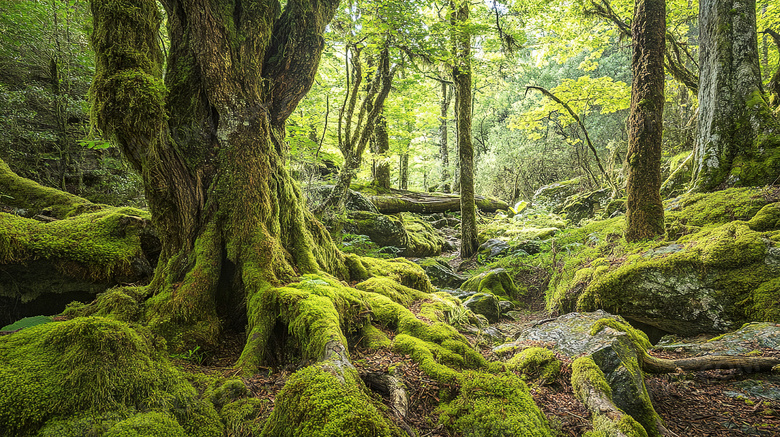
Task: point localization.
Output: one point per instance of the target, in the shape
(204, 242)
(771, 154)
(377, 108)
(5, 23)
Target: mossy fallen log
(652, 364)
(393, 201)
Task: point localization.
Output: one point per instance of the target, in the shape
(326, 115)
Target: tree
(644, 210)
(732, 111)
(461, 74)
(209, 143)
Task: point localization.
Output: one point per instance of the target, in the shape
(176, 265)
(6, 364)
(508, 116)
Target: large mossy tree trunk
(644, 209)
(732, 111)
(461, 74)
(209, 143)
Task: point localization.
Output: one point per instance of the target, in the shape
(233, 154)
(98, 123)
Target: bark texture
(461, 74)
(209, 143)
(444, 153)
(381, 167)
(730, 87)
(644, 210)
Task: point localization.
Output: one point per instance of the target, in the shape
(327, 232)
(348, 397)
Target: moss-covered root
(401, 270)
(536, 364)
(36, 199)
(592, 389)
(493, 405)
(327, 399)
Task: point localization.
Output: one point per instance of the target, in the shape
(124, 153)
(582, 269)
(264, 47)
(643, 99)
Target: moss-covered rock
(406, 231)
(485, 304)
(441, 274)
(497, 281)
(423, 239)
(493, 405)
(553, 195)
(150, 424)
(578, 207)
(94, 366)
(614, 348)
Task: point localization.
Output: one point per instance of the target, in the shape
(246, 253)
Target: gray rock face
(582, 206)
(553, 195)
(741, 341)
(355, 201)
(612, 350)
(493, 248)
(441, 274)
(485, 304)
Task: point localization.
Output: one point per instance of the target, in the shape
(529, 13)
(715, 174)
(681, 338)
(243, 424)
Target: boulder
(742, 341)
(553, 196)
(485, 304)
(492, 248)
(355, 200)
(612, 344)
(384, 230)
(441, 274)
(578, 207)
(497, 281)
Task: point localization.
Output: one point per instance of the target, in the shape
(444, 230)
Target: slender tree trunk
(461, 73)
(729, 90)
(381, 167)
(644, 210)
(443, 149)
(403, 173)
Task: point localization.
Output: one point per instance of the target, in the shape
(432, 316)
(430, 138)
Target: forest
(236, 218)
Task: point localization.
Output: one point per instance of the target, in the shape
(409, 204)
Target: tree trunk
(461, 73)
(729, 89)
(209, 143)
(355, 130)
(403, 172)
(644, 210)
(443, 152)
(774, 81)
(381, 165)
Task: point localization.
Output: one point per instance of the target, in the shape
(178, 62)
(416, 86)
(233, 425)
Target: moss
(95, 246)
(638, 337)
(423, 238)
(318, 402)
(730, 245)
(27, 322)
(493, 405)
(401, 270)
(764, 301)
(766, 219)
(87, 365)
(392, 289)
(498, 282)
(152, 424)
(372, 338)
(245, 417)
(585, 372)
(120, 303)
(227, 392)
(23, 193)
(536, 363)
(713, 209)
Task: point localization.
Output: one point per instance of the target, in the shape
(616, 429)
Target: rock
(485, 304)
(446, 222)
(531, 247)
(441, 274)
(553, 195)
(498, 282)
(505, 306)
(422, 238)
(492, 248)
(578, 207)
(382, 229)
(355, 201)
(613, 350)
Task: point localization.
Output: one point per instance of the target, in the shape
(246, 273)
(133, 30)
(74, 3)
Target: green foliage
(536, 364)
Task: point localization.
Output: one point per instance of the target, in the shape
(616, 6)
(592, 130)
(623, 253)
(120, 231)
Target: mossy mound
(493, 405)
(530, 224)
(536, 364)
(498, 282)
(91, 366)
(423, 239)
(318, 401)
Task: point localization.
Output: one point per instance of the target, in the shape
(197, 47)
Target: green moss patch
(536, 364)
(493, 405)
(88, 365)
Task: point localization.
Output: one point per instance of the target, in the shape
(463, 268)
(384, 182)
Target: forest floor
(691, 404)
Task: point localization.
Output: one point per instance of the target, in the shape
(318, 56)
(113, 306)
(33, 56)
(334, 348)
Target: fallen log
(394, 201)
(652, 364)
